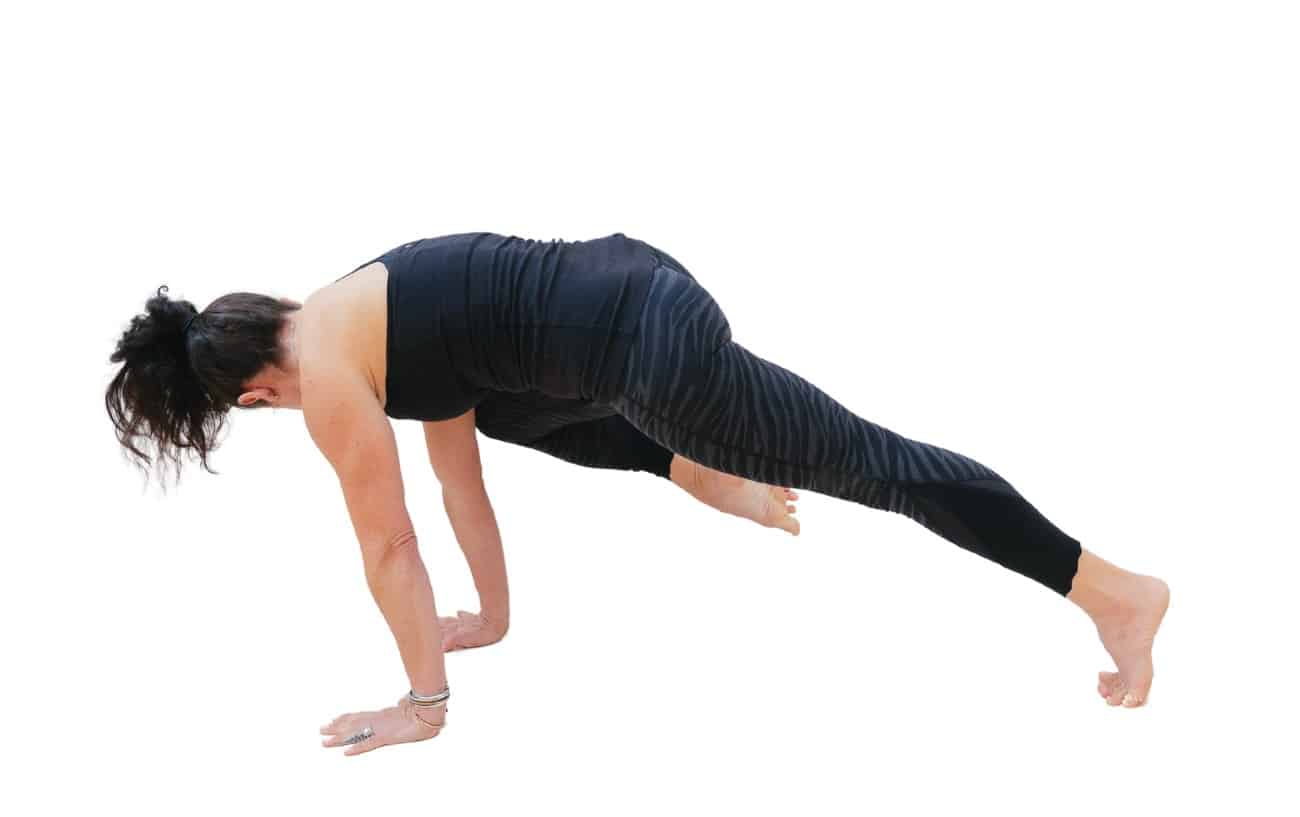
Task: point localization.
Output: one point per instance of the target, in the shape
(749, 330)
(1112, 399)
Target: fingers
(348, 720)
(344, 722)
(348, 738)
(467, 640)
(457, 632)
(451, 628)
(463, 640)
(344, 734)
(334, 740)
(361, 732)
(365, 746)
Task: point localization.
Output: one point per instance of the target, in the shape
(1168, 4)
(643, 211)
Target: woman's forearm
(400, 586)
(475, 526)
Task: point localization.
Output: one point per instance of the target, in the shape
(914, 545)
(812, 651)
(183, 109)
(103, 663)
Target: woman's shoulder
(345, 323)
(342, 293)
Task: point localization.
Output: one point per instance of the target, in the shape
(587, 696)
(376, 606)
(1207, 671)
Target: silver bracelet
(429, 701)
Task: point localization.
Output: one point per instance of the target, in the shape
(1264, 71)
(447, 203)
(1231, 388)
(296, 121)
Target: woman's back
(473, 313)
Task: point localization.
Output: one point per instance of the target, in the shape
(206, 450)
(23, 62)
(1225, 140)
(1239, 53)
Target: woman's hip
(679, 332)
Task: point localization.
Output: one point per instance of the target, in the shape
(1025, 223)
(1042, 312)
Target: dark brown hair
(177, 382)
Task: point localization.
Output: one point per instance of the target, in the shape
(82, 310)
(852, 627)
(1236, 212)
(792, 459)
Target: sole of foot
(1128, 633)
(771, 506)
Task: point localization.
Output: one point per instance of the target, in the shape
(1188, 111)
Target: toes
(1106, 681)
(1111, 687)
(1115, 697)
(781, 515)
(1137, 693)
(1118, 691)
(788, 524)
(1137, 681)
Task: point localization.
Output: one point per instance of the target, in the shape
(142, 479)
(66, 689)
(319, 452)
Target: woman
(606, 353)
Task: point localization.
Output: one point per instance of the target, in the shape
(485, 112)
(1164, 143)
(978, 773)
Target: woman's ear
(250, 398)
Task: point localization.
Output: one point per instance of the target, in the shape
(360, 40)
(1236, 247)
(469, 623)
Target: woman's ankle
(1102, 589)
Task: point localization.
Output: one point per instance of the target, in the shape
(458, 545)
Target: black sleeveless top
(473, 313)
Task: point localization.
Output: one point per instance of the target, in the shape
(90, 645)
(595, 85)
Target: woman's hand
(465, 630)
(403, 723)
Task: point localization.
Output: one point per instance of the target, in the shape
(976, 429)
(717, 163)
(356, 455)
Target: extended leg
(696, 391)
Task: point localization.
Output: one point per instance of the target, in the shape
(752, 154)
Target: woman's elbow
(378, 559)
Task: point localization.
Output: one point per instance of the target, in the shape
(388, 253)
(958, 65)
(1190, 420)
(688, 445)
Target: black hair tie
(186, 328)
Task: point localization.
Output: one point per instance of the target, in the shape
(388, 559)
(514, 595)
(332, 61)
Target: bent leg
(580, 432)
(610, 442)
(697, 392)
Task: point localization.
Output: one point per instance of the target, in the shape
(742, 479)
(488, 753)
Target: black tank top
(473, 313)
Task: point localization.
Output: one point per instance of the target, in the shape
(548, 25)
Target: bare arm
(349, 426)
(454, 455)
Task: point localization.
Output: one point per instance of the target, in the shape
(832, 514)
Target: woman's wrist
(438, 698)
(435, 716)
(428, 684)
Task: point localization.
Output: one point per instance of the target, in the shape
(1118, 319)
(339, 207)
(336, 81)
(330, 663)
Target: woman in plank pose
(606, 353)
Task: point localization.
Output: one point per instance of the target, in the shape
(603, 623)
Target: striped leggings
(689, 388)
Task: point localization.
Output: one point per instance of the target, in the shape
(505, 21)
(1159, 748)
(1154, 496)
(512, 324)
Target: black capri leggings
(689, 388)
(581, 432)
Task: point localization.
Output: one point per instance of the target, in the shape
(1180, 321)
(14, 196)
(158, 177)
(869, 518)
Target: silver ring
(364, 734)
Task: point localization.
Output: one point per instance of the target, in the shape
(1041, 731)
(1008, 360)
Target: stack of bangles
(428, 702)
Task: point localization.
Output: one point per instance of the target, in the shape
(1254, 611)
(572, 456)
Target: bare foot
(1127, 609)
(768, 505)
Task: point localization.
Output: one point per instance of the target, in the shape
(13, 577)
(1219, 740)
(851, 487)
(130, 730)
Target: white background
(1054, 237)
